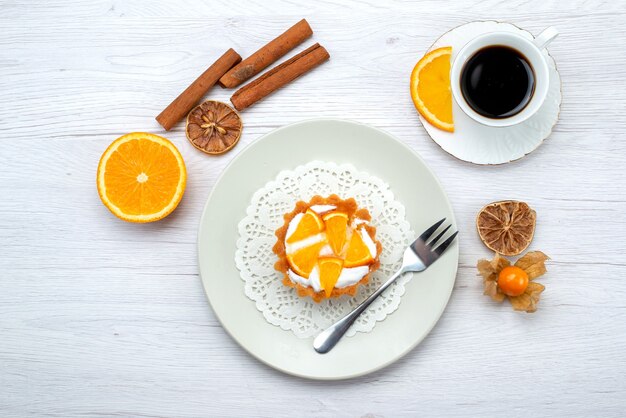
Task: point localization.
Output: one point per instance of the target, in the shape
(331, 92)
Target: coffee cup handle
(544, 38)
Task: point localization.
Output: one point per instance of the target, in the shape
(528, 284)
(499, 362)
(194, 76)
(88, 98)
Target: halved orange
(358, 254)
(303, 260)
(336, 228)
(141, 177)
(330, 270)
(309, 225)
(430, 88)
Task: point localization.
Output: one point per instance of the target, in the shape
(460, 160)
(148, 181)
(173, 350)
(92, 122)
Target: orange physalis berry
(512, 281)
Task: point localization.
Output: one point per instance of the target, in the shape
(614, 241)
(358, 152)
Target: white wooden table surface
(103, 318)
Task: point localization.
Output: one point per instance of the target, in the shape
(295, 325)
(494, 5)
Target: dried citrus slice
(309, 225)
(141, 177)
(506, 227)
(430, 88)
(213, 127)
(358, 254)
(330, 270)
(303, 260)
(336, 228)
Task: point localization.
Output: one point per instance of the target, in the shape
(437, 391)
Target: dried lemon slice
(506, 227)
(213, 127)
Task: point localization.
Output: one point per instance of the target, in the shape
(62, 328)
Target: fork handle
(325, 341)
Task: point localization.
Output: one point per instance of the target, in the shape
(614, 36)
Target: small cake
(327, 248)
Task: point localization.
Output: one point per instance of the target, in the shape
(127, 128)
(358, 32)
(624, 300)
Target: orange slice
(336, 227)
(309, 225)
(358, 254)
(430, 88)
(303, 260)
(141, 177)
(330, 270)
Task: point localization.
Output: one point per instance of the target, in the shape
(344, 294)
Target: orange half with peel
(430, 88)
(141, 177)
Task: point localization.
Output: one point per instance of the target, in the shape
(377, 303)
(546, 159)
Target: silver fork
(417, 257)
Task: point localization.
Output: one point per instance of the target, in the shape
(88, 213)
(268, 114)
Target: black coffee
(497, 82)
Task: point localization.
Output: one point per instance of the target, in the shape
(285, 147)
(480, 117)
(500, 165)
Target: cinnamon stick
(267, 55)
(279, 76)
(192, 94)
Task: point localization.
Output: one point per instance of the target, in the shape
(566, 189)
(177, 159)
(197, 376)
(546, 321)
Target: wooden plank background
(103, 318)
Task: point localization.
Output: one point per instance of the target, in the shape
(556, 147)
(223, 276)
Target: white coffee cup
(529, 48)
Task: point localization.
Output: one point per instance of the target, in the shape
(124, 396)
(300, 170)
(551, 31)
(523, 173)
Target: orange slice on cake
(310, 224)
(430, 88)
(358, 253)
(330, 270)
(336, 228)
(303, 260)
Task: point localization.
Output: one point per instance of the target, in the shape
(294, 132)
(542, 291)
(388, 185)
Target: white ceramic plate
(370, 150)
(480, 144)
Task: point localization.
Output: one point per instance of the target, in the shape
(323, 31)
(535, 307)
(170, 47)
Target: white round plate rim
(281, 349)
(530, 133)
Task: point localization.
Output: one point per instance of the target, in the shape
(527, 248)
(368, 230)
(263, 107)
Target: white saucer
(480, 144)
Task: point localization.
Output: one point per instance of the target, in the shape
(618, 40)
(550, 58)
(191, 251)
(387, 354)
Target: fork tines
(430, 231)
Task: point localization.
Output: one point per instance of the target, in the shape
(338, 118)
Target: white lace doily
(255, 260)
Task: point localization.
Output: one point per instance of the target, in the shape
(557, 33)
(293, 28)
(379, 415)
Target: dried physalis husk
(213, 127)
(533, 263)
(489, 269)
(528, 300)
(506, 227)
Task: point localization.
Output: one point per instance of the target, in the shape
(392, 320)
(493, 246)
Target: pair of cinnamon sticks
(230, 71)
